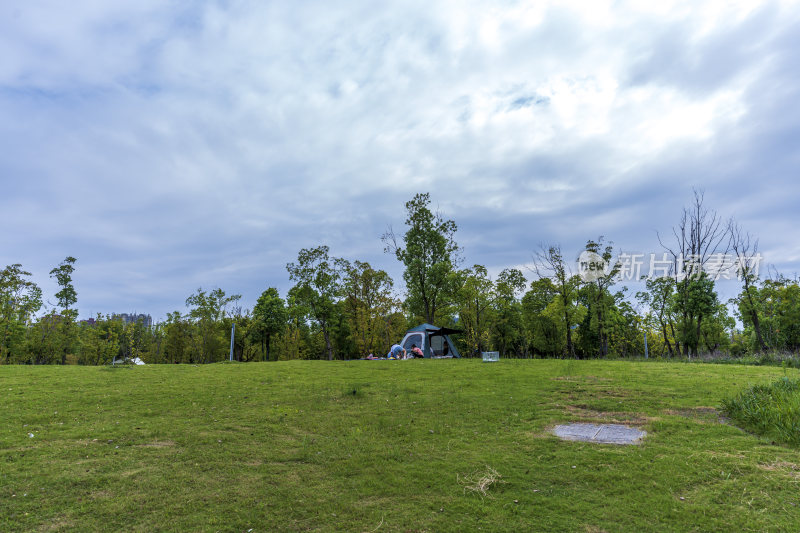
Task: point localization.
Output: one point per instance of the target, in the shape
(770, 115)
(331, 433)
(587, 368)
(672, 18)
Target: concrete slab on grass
(601, 433)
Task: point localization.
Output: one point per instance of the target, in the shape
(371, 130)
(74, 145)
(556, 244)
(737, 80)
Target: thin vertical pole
(645, 344)
(233, 332)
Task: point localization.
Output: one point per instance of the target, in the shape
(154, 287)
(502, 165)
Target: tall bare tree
(700, 236)
(745, 248)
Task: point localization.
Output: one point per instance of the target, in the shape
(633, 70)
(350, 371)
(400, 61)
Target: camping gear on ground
(127, 361)
(434, 341)
(489, 357)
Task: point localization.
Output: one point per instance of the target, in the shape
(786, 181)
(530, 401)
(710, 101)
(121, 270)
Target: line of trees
(343, 309)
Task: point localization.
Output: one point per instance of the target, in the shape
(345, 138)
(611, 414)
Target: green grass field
(386, 446)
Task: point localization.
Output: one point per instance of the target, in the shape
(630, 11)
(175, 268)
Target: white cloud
(202, 134)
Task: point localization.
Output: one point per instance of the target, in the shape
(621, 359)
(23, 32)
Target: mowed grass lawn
(385, 446)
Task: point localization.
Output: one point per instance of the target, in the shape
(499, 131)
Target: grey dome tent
(432, 340)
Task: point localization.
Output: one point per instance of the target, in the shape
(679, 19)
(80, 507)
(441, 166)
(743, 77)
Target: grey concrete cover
(602, 433)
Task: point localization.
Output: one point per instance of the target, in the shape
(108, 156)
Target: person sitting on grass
(396, 352)
(415, 351)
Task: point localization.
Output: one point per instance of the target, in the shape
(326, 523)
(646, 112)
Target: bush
(769, 410)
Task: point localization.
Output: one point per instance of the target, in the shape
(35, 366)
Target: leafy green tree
(545, 334)
(430, 255)
(507, 324)
(647, 322)
(624, 327)
(317, 278)
(136, 341)
(659, 298)
(100, 342)
(20, 299)
(597, 298)
(294, 342)
(368, 305)
(549, 262)
(780, 304)
(206, 310)
(342, 337)
(243, 333)
(156, 354)
(474, 300)
(42, 342)
(695, 302)
(269, 318)
(716, 328)
(67, 297)
(177, 338)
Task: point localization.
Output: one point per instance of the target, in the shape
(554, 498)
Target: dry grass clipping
(480, 481)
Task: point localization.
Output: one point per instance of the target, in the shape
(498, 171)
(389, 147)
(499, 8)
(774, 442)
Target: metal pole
(233, 333)
(645, 344)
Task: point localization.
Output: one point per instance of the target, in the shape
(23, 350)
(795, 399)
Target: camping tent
(433, 340)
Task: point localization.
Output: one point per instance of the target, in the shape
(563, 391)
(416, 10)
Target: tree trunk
(757, 327)
(570, 347)
(328, 346)
(696, 347)
(754, 316)
(666, 337)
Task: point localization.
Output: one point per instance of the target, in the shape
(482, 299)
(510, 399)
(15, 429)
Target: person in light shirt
(396, 352)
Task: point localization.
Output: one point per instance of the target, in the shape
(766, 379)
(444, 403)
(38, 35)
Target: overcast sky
(171, 145)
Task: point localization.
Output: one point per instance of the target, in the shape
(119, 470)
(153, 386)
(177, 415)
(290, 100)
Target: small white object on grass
(30, 435)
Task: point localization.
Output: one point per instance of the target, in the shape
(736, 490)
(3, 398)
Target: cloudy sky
(171, 145)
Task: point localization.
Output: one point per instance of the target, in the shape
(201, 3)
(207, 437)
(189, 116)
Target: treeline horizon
(344, 309)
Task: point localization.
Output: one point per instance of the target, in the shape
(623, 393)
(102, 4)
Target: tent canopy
(433, 346)
(435, 330)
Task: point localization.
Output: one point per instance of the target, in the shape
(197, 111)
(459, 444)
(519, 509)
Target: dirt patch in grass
(284, 473)
(61, 524)
(714, 453)
(132, 472)
(599, 394)
(374, 502)
(616, 393)
(790, 469)
(583, 413)
(579, 378)
(586, 414)
(693, 412)
(701, 414)
(87, 442)
(158, 444)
